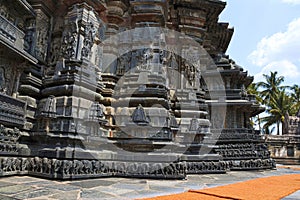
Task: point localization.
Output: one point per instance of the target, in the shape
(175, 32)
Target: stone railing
(286, 138)
(9, 31)
(234, 130)
(236, 134)
(12, 111)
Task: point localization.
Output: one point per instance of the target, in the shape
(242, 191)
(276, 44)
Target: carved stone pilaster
(82, 34)
(42, 35)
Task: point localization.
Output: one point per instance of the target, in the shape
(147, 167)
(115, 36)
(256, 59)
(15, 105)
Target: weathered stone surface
(109, 88)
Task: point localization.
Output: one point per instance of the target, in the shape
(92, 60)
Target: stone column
(41, 28)
(116, 10)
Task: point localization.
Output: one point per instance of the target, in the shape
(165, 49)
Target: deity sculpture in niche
(139, 116)
(147, 56)
(89, 37)
(29, 36)
(123, 62)
(42, 35)
(69, 42)
(2, 80)
(190, 73)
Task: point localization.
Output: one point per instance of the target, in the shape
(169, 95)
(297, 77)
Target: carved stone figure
(88, 167)
(24, 164)
(89, 37)
(69, 43)
(38, 165)
(66, 167)
(78, 167)
(47, 165)
(139, 116)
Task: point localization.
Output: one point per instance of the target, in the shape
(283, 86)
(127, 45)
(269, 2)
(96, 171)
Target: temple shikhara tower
(128, 88)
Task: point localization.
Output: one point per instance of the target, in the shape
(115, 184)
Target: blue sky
(266, 38)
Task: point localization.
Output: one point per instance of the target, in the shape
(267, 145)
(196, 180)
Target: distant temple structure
(285, 148)
(84, 96)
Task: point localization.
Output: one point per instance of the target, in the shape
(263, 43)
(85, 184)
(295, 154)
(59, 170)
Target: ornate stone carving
(30, 34)
(147, 55)
(207, 167)
(49, 108)
(54, 53)
(139, 116)
(123, 64)
(42, 35)
(89, 37)
(70, 39)
(169, 93)
(2, 79)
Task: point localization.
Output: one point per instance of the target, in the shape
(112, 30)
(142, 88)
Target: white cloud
(279, 52)
(291, 1)
(284, 68)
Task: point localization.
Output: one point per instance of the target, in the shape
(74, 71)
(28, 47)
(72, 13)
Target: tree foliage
(280, 101)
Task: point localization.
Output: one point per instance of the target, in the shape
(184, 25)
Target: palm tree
(279, 105)
(253, 90)
(271, 86)
(295, 95)
(268, 130)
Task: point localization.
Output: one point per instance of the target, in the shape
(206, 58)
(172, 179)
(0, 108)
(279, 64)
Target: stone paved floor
(295, 196)
(24, 187)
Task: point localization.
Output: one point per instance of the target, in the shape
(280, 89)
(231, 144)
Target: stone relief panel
(42, 35)
(54, 51)
(6, 74)
(69, 41)
(30, 34)
(123, 64)
(2, 79)
(89, 38)
(191, 67)
(82, 34)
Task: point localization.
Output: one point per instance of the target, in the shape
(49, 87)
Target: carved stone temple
(285, 148)
(128, 88)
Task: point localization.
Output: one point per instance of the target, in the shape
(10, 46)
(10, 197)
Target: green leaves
(278, 101)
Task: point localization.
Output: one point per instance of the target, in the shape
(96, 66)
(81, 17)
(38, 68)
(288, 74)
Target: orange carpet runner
(269, 188)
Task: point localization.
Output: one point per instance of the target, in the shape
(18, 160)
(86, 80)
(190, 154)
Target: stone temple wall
(123, 88)
(285, 148)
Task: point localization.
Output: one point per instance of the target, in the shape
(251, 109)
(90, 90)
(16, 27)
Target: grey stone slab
(5, 184)
(170, 189)
(147, 194)
(113, 191)
(203, 177)
(94, 194)
(40, 183)
(3, 197)
(294, 196)
(14, 189)
(193, 185)
(214, 185)
(92, 183)
(133, 186)
(63, 187)
(130, 195)
(35, 193)
(121, 188)
(66, 195)
(23, 179)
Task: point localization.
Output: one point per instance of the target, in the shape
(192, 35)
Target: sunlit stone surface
(122, 88)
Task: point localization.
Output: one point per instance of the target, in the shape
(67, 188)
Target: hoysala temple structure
(128, 88)
(285, 148)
